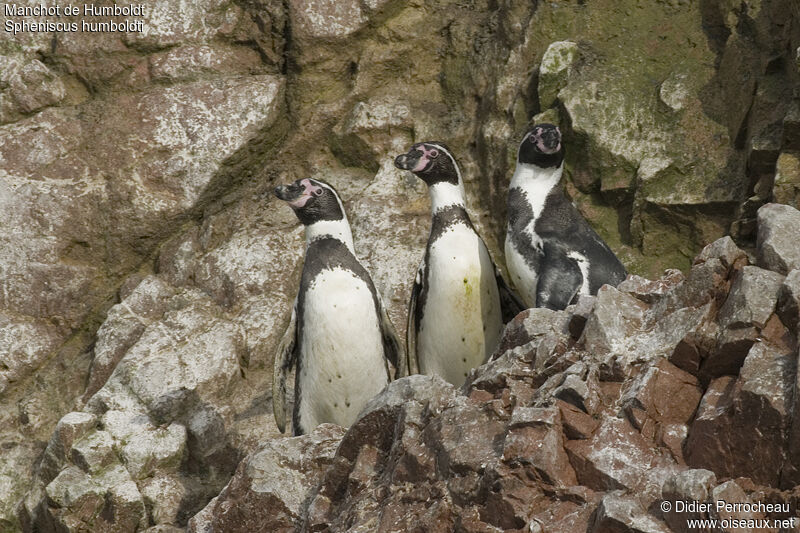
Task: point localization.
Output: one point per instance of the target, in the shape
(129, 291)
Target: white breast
(342, 364)
(536, 183)
(524, 278)
(462, 317)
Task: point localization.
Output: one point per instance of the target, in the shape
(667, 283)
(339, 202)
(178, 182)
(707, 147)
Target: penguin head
(312, 200)
(541, 146)
(431, 162)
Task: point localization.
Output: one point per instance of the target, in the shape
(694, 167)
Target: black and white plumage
(459, 302)
(339, 336)
(552, 253)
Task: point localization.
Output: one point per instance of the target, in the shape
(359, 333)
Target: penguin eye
(433, 153)
(317, 192)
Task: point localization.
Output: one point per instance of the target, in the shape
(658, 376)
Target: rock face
(145, 277)
(568, 428)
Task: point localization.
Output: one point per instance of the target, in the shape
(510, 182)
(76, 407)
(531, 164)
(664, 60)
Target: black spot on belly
(347, 404)
(463, 339)
(464, 359)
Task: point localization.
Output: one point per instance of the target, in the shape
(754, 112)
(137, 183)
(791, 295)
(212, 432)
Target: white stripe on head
(445, 194)
(337, 229)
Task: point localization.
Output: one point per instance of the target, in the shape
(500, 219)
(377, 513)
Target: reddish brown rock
(732, 411)
(535, 440)
(663, 394)
(576, 423)
(619, 513)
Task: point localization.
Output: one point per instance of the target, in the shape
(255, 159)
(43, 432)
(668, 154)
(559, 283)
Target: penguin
(459, 301)
(339, 335)
(553, 254)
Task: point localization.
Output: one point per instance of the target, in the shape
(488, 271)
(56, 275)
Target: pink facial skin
(427, 155)
(540, 144)
(309, 190)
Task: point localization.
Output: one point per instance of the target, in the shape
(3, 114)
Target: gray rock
(778, 249)
(614, 318)
(789, 300)
(110, 500)
(557, 64)
(144, 447)
(531, 326)
(693, 485)
(723, 249)
(124, 325)
(752, 299)
(72, 427)
(94, 452)
(163, 495)
(650, 291)
(269, 487)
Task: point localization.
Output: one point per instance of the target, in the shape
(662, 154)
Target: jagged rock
(322, 19)
(789, 300)
(531, 327)
(619, 513)
(725, 250)
(535, 438)
(577, 423)
(580, 315)
(163, 496)
(660, 399)
(758, 403)
(615, 457)
(650, 291)
(94, 452)
(614, 318)
(124, 325)
(777, 238)
(268, 490)
(731, 492)
(750, 304)
(32, 86)
(143, 447)
(693, 485)
(69, 429)
(362, 135)
(109, 501)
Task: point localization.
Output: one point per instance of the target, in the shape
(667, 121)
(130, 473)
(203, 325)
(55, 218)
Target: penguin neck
(335, 229)
(446, 195)
(536, 180)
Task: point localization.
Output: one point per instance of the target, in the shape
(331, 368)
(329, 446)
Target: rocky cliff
(145, 278)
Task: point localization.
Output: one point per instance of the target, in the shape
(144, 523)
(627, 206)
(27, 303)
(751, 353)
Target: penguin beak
(282, 192)
(405, 161)
(288, 192)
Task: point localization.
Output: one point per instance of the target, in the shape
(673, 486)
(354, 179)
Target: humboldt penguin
(459, 301)
(339, 335)
(552, 253)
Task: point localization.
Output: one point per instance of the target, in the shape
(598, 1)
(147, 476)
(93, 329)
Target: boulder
(777, 244)
(268, 489)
